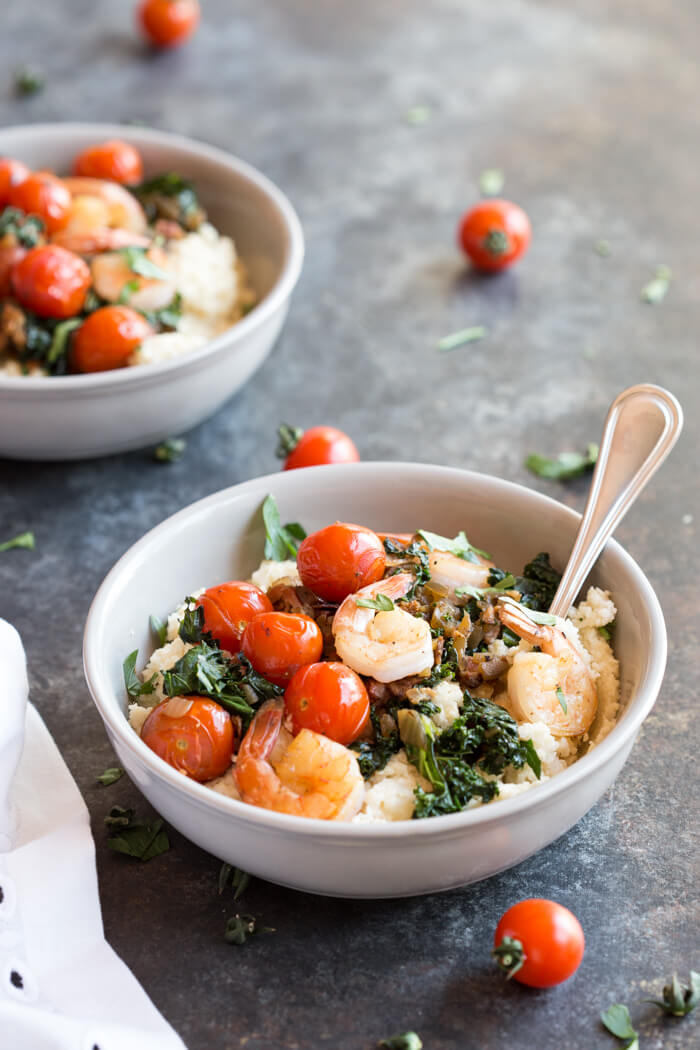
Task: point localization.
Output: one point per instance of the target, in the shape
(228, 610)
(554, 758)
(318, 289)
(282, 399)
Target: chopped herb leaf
(25, 540)
(605, 631)
(241, 880)
(170, 450)
(459, 546)
(491, 182)
(134, 686)
(562, 699)
(28, 81)
(134, 839)
(224, 875)
(170, 196)
(127, 291)
(240, 927)
(461, 338)
(138, 262)
(532, 614)
(418, 114)
(110, 776)
(205, 670)
(159, 628)
(169, 317)
(678, 999)
(60, 341)
(416, 561)
(602, 248)
(656, 289)
(405, 1041)
(281, 541)
(382, 603)
(507, 583)
(373, 756)
(618, 1022)
(564, 466)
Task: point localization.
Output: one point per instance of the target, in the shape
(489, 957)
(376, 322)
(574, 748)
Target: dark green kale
(374, 755)
(170, 196)
(537, 585)
(192, 625)
(416, 561)
(205, 670)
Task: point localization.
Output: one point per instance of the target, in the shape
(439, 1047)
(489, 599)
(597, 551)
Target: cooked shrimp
(452, 572)
(111, 274)
(542, 685)
(386, 645)
(97, 202)
(314, 777)
(99, 239)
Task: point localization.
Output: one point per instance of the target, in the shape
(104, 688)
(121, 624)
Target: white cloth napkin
(61, 985)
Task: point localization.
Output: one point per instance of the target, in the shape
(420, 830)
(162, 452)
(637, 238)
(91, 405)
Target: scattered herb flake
(133, 838)
(170, 450)
(602, 248)
(459, 546)
(110, 776)
(678, 999)
(618, 1022)
(405, 1041)
(241, 881)
(25, 540)
(565, 466)
(159, 628)
(138, 262)
(562, 700)
(281, 541)
(134, 686)
(418, 114)
(656, 289)
(28, 81)
(127, 291)
(382, 603)
(605, 631)
(461, 338)
(491, 182)
(224, 875)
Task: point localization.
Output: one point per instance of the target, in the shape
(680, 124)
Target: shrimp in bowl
(377, 677)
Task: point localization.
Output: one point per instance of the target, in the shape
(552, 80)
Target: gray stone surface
(591, 110)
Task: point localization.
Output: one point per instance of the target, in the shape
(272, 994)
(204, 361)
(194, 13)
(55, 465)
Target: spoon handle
(641, 428)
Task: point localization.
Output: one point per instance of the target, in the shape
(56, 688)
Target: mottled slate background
(590, 108)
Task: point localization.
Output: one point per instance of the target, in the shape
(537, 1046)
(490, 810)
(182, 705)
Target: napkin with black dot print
(61, 985)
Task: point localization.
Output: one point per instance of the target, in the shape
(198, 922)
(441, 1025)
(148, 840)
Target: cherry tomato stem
(494, 234)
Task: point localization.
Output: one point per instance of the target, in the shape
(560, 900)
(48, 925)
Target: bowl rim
(106, 382)
(623, 732)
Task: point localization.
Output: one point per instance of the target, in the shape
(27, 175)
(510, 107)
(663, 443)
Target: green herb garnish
(134, 686)
(418, 114)
(110, 776)
(138, 262)
(618, 1022)
(28, 81)
(170, 450)
(532, 614)
(562, 699)
(491, 182)
(602, 248)
(159, 628)
(25, 540)
(170, 196)
(133, 838)
(507, 583)
(239, 879)
(656, 289)
(281, 541)
(459, 546)
(678, 999)
(405, 1041)
(461, 338)
(564, 466)
(382, 603)
(60, 341)
(127, 291)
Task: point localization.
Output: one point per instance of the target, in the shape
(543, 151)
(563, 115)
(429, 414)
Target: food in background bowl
(102, 269)
(376, 678)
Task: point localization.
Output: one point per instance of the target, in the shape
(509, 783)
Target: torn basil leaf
(565, 466)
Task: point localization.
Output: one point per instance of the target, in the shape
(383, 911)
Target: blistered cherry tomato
(193, 734)
(114, 159)
(544, 937)
(229, 608)
(168, 23)
(328, 698)
(494, 233)
(51, 281)
(336, 561)
(11, 173)
(107, 338)
(316, 447)
(278, 644)
(42, 194)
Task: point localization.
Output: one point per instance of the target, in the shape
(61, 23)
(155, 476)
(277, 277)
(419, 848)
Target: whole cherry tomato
(278, 644)
(51, 281)
(11, 172)
(168, 23)
(192, 734)
(494, 233)
(107, 338)
(42, 194)
(229, 608)
(328, 698)
(315, 447)
(539, 943)
(114, 159)
(340, 559)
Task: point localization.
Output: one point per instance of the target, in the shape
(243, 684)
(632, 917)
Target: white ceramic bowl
(75, 417)
(221, 537)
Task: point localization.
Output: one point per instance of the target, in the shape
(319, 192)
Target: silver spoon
(642, 426)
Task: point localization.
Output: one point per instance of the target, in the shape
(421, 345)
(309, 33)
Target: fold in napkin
(61, 985)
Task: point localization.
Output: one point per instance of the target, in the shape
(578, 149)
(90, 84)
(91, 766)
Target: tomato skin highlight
(229, 608)
(328, 698)
(494, 234)
(12, 172)
(321, 445)
(51, 281)
(115, 159)
(278, 644)
(42, 194)
(340, 559)
(197, 740)
(107, 338)
(552, 939)
(168, 23)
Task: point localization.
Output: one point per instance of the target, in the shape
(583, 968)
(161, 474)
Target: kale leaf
(170, 196)
(538, 583)
(417, 562)
(205, 670)
(374, 755)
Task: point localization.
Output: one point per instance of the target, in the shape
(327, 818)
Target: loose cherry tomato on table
(192, 734)
(11, 173)
(494, 233)
(340, 559)
(539, 942)
(107, 338)
(45, 195)
(229, 608)
(314, 447)
(114, 159)
(168, 23)
(328, 698)
(51, 281)
(278, 644)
